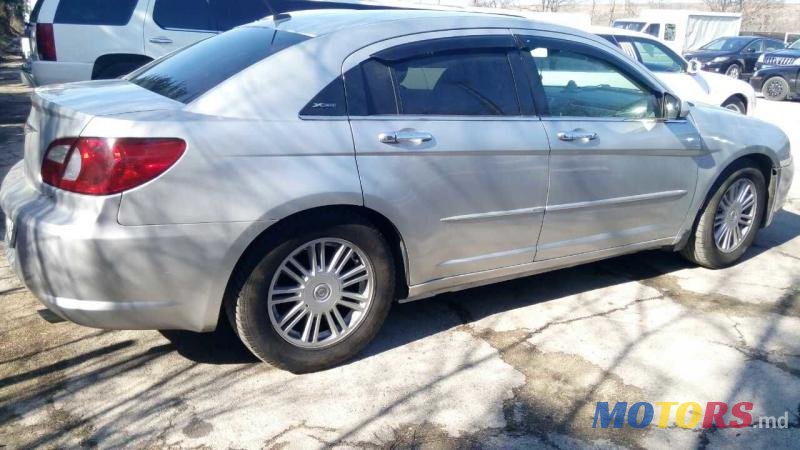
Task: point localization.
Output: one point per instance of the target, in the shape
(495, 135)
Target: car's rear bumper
(87, 268)
(40, 73)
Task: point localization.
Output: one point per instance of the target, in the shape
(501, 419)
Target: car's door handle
(577, 135)
(160, 40)
(403, 136)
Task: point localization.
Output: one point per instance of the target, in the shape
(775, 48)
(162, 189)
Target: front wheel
(734, 104)
(318, 298)
(734, 71)
(776, 89)
(730, 220)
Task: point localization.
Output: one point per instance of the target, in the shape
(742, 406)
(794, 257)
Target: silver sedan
(297, 175)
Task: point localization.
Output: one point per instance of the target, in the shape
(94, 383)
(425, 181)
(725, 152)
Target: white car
(77, 40)
(683, 77)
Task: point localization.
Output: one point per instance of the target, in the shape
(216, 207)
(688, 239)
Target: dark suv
(778, 74)
(734, 56)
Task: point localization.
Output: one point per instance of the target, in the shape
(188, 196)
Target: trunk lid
(62, 111)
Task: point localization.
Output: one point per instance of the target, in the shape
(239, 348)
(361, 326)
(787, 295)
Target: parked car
(331, 162)
(76, 40)
(682, 30)
(777, 74)
(735, 56)
(680, 76)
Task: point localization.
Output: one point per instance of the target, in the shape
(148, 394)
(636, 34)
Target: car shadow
(409, 322)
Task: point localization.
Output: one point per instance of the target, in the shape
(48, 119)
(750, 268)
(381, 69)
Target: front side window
(576, 83)
(657, 58)
(184, 15)
(191, 72)
(460, 82)
(91, 12)
(770, 46)
(754, 47)
(653, 29)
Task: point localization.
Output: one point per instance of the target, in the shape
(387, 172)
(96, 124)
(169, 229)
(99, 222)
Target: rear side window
(232, 13)
(461, 83)
(184, 15)
(92, 12)
(187, 74)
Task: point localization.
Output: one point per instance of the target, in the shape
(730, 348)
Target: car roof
(327, 21)
(619, 32)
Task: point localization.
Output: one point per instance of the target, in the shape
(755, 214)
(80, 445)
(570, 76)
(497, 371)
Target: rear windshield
(191, 72)
(94, 12)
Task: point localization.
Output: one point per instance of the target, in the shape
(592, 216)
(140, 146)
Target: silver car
(298, 175)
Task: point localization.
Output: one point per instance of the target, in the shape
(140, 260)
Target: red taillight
(45, 41)
(103, 166)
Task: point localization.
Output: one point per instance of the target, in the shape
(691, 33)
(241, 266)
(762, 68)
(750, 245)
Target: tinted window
(232, 13)
(470, 84)
(657, 58)
(754, 47)
(727, 44)
(329, 102)
(653, 29)
(34, 17)
(189, 73)
(773, 45)
(370, 90)
(578, 84)
(93, 12)
(183, 15)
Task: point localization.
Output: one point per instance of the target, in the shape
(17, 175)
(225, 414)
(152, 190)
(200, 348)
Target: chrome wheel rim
(775, 88)
(734, 107)
(735, 214)
(321, 293)
(733, 71)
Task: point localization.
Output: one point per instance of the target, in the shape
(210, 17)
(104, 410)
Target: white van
(683, 30)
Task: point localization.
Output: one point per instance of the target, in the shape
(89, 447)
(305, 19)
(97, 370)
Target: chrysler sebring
(299, 174)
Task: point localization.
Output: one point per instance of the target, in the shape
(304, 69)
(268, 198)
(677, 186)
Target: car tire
(775, 89)
(709, 244)
(735, 104)
(734, 71)
(261, 320)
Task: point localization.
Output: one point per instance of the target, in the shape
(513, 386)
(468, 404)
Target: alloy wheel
(735, 214)
(774, 88)
(321, 293)
(733, 71)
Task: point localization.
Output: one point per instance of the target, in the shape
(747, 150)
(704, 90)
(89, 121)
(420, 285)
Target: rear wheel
(734, 104)
(775, 88)
(317, 299)
(117, 69)
(730, 220)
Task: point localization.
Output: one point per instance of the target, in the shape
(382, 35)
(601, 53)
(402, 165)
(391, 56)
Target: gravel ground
(517, 364)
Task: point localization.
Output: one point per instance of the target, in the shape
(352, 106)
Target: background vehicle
(683, 30)
(778, 73)
(338, 160)
(686, 81)
(735, 56)
(75, 40)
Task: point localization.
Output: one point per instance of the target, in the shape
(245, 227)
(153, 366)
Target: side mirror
(675, 108)
(694, 67)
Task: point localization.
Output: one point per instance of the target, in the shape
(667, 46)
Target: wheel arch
(740, 97)
(250, 257)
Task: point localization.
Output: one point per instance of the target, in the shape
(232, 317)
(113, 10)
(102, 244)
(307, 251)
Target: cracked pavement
(514, 365)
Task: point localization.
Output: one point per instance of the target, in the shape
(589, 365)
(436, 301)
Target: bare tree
(555, 5)
(761, 15)
(724, 5)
